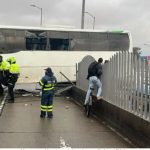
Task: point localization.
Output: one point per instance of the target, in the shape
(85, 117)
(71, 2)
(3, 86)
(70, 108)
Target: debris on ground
(67, 107)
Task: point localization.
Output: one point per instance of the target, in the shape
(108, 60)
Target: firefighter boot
(43, 113)
(50, 114)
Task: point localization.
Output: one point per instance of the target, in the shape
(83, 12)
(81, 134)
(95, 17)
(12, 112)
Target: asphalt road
(22, 127)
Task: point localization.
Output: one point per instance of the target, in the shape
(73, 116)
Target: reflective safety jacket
(48, 83)
(14, 69)
(4, 71)
(4, 66)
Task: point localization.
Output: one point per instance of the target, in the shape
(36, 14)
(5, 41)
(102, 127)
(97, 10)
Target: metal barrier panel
(82, 82)
(126, 83)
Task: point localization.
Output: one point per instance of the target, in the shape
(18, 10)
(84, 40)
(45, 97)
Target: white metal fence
(126, 83)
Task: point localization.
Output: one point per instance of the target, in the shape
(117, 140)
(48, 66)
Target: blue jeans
(93, 81)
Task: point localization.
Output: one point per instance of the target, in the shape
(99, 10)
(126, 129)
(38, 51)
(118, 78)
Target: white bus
(36, 48)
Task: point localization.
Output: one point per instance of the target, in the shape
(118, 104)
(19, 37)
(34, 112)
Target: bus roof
(59, 28)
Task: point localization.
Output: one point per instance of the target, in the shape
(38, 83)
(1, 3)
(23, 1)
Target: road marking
(63, 144)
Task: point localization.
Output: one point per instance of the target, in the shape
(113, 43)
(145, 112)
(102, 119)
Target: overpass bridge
(22, 127)
(120, 120)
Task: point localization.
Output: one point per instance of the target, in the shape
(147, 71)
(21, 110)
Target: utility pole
(82, 17)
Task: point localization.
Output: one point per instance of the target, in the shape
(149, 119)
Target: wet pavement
(22, 127)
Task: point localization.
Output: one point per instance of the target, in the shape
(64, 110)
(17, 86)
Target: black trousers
(4, 75)
(11, 85)
(11, 92)
(1, 89)
(2, 82)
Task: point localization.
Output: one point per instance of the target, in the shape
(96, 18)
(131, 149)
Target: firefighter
(48, 83)
(4, 73)
(14, 72)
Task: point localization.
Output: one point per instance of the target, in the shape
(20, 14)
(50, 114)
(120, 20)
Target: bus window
(36, 43)
(80, 41)
(59, 44)
(99, 41)
(118, 42)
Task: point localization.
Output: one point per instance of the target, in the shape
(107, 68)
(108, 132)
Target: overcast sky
(132, 15)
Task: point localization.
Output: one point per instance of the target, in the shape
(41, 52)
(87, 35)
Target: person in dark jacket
(94, 76)
(48, 83)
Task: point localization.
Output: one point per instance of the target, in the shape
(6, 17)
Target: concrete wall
(131, 126)
(82, 73)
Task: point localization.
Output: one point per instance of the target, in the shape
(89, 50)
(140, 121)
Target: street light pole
(92, 17)
(94, 23)
(40, 11)
(41, 17)
(82, 17)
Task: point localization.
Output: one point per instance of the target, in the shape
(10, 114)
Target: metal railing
(126, 83)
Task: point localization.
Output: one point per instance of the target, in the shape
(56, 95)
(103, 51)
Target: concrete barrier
(129, 125)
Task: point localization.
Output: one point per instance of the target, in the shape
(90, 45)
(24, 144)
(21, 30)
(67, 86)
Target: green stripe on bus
(117, 31)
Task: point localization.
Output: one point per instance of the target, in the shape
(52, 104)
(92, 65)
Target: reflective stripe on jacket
(48, 83)
(14, 69)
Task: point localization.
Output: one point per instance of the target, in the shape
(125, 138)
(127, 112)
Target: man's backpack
(95, 69)
(92, 70)
(99, 71)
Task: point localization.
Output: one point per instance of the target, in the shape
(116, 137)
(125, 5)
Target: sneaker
(99, 97)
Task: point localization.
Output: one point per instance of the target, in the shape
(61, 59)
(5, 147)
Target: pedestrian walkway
(22, 127)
